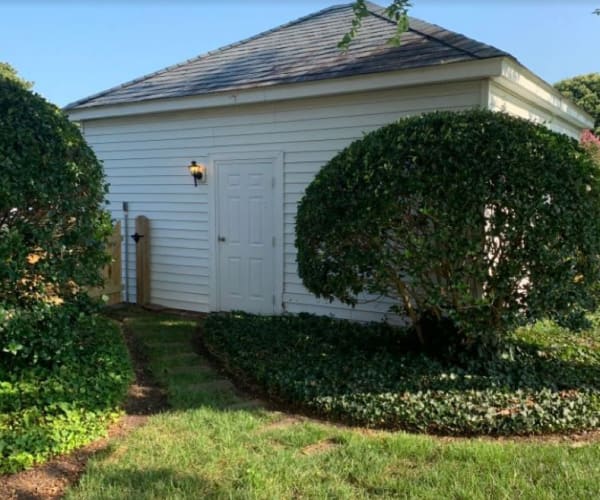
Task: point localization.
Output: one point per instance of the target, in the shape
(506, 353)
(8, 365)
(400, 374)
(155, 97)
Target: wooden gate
(112, 272)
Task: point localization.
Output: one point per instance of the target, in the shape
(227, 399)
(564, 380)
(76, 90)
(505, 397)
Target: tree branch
(397, 11)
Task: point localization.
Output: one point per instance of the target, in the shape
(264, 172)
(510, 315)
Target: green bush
(49, 410)
(52, 226)
(477, 219)
(52, 222)
(63, 371)
(584, 90)
(44, 334)
(9, 73)
(547, 379)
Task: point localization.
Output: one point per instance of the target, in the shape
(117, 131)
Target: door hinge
(273, 241)
(273, 182)
(273, 300)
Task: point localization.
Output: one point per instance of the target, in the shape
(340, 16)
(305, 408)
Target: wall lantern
(198, 172)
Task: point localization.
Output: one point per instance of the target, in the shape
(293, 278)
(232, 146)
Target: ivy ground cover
(546, 381)
(50, 409)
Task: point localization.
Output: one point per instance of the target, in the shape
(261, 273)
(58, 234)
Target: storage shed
(263, 115)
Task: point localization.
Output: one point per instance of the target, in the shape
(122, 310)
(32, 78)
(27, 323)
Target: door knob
(221, 238)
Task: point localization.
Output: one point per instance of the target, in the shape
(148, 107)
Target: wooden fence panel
(112, 272)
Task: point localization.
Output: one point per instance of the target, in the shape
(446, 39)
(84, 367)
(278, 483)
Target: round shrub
(474, 221)
(52, 221)
(51, 198)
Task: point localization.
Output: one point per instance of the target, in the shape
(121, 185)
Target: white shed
(264, 115)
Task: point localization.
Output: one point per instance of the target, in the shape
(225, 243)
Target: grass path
(214, 443)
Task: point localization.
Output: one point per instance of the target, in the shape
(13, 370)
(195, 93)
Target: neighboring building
(264, 115)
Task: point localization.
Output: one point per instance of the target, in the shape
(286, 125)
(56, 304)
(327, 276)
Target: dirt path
(50, 480)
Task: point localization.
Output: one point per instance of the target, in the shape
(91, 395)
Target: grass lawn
(208, 446)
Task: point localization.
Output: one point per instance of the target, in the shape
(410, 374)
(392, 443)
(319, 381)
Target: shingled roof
(301, 51)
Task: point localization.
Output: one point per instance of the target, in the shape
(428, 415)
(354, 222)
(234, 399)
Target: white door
(245, 239)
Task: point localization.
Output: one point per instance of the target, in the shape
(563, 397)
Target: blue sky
(73, 48)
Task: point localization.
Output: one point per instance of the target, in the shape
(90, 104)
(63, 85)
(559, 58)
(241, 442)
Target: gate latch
(137, 237)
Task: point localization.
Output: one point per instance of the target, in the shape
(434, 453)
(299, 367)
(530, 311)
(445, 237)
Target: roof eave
(439, 73)
(520, 79)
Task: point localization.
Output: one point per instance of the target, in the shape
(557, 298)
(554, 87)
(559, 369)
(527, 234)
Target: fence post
(142, 260)
(111, 273)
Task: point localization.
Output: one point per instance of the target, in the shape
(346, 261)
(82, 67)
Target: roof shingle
(300, 51)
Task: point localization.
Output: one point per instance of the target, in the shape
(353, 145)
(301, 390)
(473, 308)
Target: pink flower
(591, 144)
(588, 138)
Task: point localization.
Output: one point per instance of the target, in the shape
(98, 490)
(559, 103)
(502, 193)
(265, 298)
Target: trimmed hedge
(547, 380)
(49, 409)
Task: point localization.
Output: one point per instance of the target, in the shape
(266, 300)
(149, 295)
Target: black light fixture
(198, 172)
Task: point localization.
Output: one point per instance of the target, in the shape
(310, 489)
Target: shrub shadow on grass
(163, 482)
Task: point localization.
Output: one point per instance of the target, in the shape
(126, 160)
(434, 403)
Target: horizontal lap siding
(145, 161)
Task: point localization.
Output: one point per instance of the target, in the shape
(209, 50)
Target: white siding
(502, 99)
(145, 160)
